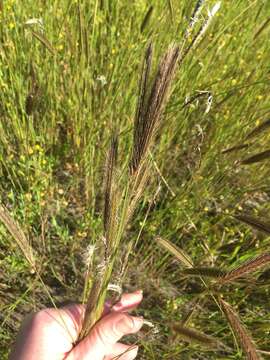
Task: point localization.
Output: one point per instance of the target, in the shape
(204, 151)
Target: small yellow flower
(30, 151)
(38, 147)
(28, 196)
(234, 82)
(82, 234)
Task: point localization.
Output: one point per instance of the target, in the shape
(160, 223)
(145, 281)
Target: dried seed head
(244, 339)
(256, 158)
(116, 288)
(247, 268)
(18, 235)
(150, 108)
(88, 255)
(194, 336)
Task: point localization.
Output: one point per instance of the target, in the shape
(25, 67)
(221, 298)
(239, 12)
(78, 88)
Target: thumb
(104, 335)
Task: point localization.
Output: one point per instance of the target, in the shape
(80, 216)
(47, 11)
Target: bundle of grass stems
(121, 199)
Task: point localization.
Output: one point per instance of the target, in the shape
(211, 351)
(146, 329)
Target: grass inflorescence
(110, 184)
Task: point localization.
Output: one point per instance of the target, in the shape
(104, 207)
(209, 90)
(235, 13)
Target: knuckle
(104, 336)
(109, 333)
(123, 325)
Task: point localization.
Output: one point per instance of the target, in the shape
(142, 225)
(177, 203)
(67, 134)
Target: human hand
(51, 333)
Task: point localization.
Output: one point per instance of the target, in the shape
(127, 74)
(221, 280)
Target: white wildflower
(102, 79)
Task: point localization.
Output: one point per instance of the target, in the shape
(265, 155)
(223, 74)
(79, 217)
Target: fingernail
(134, 349)
(129, 323)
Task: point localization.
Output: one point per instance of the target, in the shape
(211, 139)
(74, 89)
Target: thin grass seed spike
(188, 313)
(247, 267)
(259, 129)
(143, 86)
(18, 236)
(244, 339)
(141, 183)
(194, 336)
(34, 92)
(254, 222)
(205, 271)
(44, 41)
(102, 277)
(256, 158)
(147, 18)
(109, 216)
(148, 118)
(176, 251)
(262, 28)
(93, 305)
(235, 148)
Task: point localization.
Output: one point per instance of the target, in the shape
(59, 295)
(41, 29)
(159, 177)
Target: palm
(56, 331)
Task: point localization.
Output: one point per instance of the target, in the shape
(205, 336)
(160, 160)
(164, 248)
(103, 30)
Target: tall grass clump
(121, 197)
(120, 203)
(182, 154)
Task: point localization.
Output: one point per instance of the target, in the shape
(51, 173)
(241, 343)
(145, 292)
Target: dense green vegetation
(68, 77)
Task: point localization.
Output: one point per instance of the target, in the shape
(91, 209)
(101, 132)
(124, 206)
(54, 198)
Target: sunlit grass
(82, 80)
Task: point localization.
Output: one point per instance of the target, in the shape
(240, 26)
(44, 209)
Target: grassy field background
(69, 75)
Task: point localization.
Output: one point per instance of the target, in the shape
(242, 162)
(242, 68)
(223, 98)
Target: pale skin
(51, 333)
